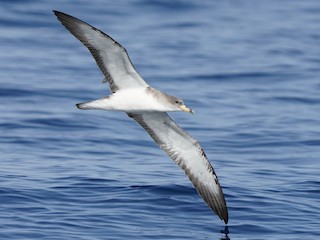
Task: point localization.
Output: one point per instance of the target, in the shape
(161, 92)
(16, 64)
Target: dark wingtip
(225, 215)
(220, 207)
(56, 12)
(225, 220)
(78, 105)
(61, 15)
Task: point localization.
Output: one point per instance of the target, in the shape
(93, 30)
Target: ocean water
(251, 71)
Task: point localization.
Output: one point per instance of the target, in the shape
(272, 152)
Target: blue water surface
(251, 71)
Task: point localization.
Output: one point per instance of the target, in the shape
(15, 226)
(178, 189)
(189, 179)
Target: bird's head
(179, 105)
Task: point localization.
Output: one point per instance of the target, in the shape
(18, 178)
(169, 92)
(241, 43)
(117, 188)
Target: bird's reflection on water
(225, 231)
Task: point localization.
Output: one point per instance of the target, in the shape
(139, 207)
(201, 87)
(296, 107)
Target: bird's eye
(177, 101)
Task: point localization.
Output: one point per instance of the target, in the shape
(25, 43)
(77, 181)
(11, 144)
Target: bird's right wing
(188, 154)
(111, 57)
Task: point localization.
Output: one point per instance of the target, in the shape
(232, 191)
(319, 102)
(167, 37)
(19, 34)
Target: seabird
(148, 107)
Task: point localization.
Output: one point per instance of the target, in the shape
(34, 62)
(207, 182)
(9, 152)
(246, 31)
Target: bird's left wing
(188, 154)
(111, 57)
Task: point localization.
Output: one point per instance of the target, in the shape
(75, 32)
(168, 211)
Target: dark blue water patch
(23, 235)
(168, 6)
(73, 184)
(10, 196)
(8, 126)
(19, 140)
(262, 143)
(34, 94)
(9, 2)
(17, 23)
(15, 92)
(167, 189)
(307, 186)
(238, 77)
(315, 142)
(314, 10)
(180, 25)
(30, 20)
(68, 93)
(297, 100)
(16, 15)
(315, 36)
(42, 123)
(287, 52)
(113, 199)
(57, 123)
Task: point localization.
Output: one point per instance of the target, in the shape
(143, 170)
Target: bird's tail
(95, 104)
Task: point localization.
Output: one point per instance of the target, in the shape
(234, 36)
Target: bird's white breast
(135, 100)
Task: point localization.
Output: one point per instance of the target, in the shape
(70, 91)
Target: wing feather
(110, 56)
(188, 154)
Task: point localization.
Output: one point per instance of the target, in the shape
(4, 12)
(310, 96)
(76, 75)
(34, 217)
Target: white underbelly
(134, 100)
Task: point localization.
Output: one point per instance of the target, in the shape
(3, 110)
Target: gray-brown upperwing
(188, 154)
(111, 57)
